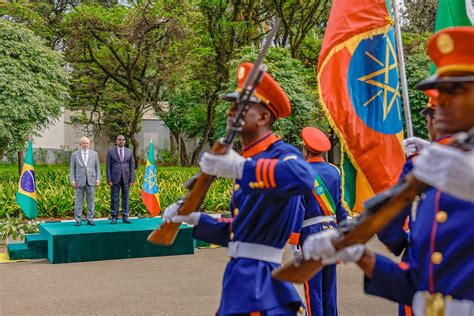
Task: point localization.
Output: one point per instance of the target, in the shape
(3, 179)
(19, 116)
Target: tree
(420, 15)
(417, 68)
(33, 85)
(299, 18)
(123, 58)
(297, 82)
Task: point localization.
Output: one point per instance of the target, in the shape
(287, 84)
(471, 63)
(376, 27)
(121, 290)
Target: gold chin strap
(435, 304)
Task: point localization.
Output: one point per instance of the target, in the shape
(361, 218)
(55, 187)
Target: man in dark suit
(120, 170)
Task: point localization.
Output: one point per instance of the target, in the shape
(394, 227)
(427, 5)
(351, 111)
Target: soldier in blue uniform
(267, 203)
(396, 234)
(437, 279)
(323, 210)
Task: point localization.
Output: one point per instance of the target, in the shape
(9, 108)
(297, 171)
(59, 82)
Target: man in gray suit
(120, 171)
(84, 173)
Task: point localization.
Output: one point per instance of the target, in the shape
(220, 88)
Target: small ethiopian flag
(26, 195)
(150, 192)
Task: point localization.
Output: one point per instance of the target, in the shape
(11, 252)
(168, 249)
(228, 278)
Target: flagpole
(401, 63)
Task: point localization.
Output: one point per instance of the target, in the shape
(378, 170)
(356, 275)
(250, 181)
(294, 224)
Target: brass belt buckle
(434, 304)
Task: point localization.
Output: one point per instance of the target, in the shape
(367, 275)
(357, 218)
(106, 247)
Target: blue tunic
(266, 205)
(393, 235)
(440, 257)
(321, 290)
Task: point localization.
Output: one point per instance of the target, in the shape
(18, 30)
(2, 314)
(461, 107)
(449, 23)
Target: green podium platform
(62, 242)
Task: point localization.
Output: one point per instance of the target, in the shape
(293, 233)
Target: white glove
(230, 165)
(413, 145)
(447, 169)
(319, 246)
(170, 215)
(350, 254)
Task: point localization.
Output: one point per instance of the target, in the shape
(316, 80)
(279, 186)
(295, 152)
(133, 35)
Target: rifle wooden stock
(373, 220)
(166, 233)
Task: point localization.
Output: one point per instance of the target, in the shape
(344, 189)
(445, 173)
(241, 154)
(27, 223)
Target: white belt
(426, 304)
(317, 220)
(238, 249)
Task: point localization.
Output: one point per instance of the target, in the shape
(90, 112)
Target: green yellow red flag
(358, 84)
(26, 194)
(150, 192)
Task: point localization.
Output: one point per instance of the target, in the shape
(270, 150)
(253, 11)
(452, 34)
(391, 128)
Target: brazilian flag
(26, 195)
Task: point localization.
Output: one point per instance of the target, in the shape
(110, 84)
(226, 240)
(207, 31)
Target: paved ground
(177, 285)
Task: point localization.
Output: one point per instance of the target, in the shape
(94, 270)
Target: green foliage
(124, 58)
(40, 156)
(420, 15)
(33, 85)
(17, 227)
(55, 196)
(418, 68)
(297, 82)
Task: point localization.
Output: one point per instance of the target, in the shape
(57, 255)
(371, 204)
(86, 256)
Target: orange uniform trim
(271, 172)
(408, 310)
(315, 159)
(224, 220)
(406, 225)
(258, 170)
(260, 145)
(266, 164)
(444, 140)
(307, 297)
(294, 238)
(403, 265)
(255, 313)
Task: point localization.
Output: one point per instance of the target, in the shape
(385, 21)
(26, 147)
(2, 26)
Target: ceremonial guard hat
(315, 140)
(268, 92)
(452, 51)
(432, 102)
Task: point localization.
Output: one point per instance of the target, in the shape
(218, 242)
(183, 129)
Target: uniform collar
(260, 145)
(315, 159)
(444, 140)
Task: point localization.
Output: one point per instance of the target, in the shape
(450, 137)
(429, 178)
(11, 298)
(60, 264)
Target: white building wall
(52, 137)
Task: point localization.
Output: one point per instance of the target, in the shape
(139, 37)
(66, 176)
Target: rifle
(199, 184)
(378, 212)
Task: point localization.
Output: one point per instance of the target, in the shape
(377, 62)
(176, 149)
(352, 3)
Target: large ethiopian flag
(26, 194)
(150, 192)
(359, 88)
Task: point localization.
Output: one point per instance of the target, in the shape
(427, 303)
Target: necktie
(85, 158)
(121, 154)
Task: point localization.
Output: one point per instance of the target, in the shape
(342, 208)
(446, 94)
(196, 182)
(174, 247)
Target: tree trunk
(205, 135)
(182, 150)
(21, 160)
(183, 153)
(135, 144)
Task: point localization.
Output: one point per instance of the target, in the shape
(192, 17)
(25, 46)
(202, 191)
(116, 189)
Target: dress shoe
(126, 221)
(114, 220)
(90, 223)
(78, 223)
